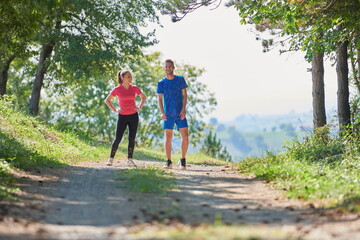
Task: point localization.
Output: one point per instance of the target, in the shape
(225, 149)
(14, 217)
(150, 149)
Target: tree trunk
(39, 77)
(342, 71)
(358, 71)
(355, 74)
(4, 75)
(318, 92)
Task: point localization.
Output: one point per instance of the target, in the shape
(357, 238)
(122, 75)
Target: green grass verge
(25, 142)
(323, 169)
(148, 179)
(212, 232)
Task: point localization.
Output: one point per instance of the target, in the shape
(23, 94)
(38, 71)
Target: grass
(6, 180)
(324, 169)
(212, 232)
(148, 179)
(25, 142)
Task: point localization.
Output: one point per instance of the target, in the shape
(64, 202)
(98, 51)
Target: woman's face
(127, 78)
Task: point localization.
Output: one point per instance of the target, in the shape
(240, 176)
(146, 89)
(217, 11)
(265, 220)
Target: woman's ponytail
(121, 74)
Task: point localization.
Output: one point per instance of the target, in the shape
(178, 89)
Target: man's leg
(168, 141)
(184, 141)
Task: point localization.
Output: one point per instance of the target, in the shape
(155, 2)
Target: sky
(244, 79)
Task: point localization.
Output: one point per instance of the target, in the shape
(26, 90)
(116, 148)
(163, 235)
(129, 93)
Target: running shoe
(182, 164)
(109, 162)
(168, 164)
(130, 163)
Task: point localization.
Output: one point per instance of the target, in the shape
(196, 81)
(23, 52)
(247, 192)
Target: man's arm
(184, 102)
(161, 106)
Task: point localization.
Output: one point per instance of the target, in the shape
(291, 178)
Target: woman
(127, 113)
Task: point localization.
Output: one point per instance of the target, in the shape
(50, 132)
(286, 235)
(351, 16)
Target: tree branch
(181, 11)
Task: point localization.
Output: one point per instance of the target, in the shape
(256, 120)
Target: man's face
(169, 68)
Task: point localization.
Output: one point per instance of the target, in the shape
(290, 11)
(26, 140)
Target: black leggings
(124, 121)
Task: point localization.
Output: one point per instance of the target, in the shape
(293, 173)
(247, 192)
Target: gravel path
(87, 201)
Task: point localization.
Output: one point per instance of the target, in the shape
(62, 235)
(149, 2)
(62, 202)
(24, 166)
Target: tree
(288, 128)
(318, 90)
(178, 9)
(212, 146)
(82, 38)
(239, 141)
(343, 85)
(74, 38)
(18, 25)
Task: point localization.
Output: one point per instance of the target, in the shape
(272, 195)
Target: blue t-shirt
(172, 94)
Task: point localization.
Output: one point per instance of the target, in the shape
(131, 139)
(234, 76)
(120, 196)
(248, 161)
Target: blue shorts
(170, 122)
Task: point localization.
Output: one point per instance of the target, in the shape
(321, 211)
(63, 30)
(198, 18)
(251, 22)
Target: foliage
(322, 168)
(148, 179)
(98, 35)
(306, 25)
(18, 24)
(82, 110)
(212, 146)
(317, 147)
(89, 38)
(355, 113)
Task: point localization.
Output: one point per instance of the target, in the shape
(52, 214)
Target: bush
(316, 147)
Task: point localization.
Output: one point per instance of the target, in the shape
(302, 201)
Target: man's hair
(169, 61)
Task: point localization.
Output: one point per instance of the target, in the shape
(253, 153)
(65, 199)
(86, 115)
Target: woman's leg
(120, 129)
(133, 125)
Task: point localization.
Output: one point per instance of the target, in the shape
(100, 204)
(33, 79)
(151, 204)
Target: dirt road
(87, 201)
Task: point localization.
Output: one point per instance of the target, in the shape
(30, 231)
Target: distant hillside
(272, 123)
(252, 135)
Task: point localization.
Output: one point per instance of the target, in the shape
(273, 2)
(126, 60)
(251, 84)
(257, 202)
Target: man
(172, 98)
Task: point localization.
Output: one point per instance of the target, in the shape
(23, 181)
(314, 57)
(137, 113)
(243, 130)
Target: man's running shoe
(130, 163)
(168, 164)
(182, 164)
(109, 162)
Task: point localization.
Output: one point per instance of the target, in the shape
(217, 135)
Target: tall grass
(322, 167)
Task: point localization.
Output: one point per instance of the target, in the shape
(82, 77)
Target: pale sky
(244, 79)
